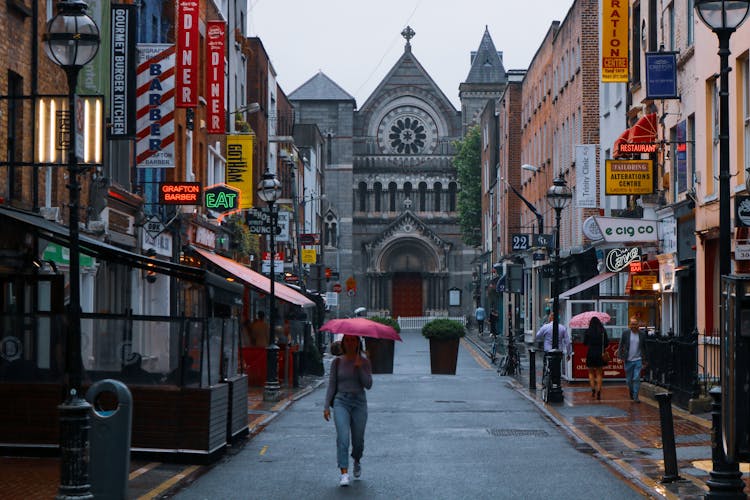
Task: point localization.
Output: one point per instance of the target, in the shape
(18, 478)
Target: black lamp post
(558, 196)
(723, 17)
(71, 41)
(269, 190)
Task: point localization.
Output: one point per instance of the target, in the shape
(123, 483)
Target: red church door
(407, 295)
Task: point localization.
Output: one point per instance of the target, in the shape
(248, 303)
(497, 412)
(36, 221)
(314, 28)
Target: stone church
(391, 224)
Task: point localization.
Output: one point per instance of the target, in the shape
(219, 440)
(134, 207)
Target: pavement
(623, 435)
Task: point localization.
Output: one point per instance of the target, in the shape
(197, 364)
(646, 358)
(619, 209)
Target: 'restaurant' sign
(629, 177)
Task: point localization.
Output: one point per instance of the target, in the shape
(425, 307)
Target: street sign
(259, 220)
(520, 242)
(332, 299)
(337, 288)
(153, 226)
(543, 240)
(741, 251)
(309, 239)
(309, 256)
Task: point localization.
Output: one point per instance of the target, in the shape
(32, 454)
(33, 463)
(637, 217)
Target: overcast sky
(356, 42)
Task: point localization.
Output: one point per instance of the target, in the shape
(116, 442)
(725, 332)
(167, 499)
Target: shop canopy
(642, 137)
(586, 285)
(256, 280)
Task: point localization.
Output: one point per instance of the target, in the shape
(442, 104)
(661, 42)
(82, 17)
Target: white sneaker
(357, 470)
(344, 481)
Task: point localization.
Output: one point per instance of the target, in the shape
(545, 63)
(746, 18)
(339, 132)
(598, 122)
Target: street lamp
(71, 41)
(269, 190)
(723, 17)
(558, 196)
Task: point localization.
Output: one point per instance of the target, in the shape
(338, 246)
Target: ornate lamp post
(558, 196)
(269, 190)
(71, 41)
(723, 17)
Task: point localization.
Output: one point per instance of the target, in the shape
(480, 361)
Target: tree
(468, 163)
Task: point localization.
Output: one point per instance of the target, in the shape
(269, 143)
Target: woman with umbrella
(596, 340)
(351, 374)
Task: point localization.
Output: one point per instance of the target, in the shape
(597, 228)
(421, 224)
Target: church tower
(486, 80)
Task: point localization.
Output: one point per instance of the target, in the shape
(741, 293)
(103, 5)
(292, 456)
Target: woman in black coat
(597, 341)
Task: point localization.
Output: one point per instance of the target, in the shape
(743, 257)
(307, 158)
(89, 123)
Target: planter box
(381, 354)
(443, 356)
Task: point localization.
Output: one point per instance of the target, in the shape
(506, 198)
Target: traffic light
(328, 273)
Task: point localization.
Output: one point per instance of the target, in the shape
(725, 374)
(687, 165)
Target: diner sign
(215, 112)
(188, 41)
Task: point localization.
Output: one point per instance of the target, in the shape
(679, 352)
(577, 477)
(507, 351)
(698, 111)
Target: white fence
(417, 322)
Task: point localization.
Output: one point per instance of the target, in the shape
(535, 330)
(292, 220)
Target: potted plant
(380, 351)
(444, 335)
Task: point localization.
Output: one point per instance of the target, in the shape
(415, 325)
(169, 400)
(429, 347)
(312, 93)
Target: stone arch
(408, 254)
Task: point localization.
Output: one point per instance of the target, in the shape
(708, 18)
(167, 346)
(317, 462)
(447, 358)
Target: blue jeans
(633, 376)
(350, 416)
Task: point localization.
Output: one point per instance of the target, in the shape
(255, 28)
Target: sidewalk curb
(282, 405)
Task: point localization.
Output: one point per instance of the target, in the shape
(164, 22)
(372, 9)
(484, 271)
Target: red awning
(620, 140)
(257, 280)
(644, 129)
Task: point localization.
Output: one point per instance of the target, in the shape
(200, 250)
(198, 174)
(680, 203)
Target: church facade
(392, 191)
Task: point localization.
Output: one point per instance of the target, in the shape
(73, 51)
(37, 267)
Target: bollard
(671, 473)
(110, 439)
(532, 369)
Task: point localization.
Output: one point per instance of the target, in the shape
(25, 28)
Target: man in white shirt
(563, 340)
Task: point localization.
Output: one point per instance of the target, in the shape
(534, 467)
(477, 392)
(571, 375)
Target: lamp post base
(74, 449)
(725, 478)
(555, 394)
(272, 389)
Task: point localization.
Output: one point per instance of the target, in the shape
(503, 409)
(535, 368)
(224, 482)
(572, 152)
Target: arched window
(378, 191)
(392, 196)
(422, 196)
(452, 197)
(407, 191)
(330, 232)
(438, 195)
(362, 196)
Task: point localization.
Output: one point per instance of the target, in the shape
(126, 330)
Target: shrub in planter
(381, 350)
(444, 335)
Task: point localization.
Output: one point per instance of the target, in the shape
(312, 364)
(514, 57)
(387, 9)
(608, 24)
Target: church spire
(408, 33)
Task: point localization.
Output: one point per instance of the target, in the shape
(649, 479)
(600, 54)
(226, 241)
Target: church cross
(408, 33)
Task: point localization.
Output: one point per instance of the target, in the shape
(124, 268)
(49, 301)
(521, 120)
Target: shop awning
(586, 285)
(56, 233)
(256, 280)
(644, 130)
(642, 137)
(619, 142)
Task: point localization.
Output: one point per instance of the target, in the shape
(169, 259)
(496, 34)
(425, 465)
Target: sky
(356, 42)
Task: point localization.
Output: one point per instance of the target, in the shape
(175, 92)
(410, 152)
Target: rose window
(407, 130)
(407, 135)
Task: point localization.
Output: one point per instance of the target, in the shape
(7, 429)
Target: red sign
(188, 43)
(277, 256)
(180, 193)
(215, 48)
(337, 288)
(614, 370)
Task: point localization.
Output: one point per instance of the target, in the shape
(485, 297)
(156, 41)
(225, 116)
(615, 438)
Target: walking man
(631, 350)
(563, 340)
(479, 316)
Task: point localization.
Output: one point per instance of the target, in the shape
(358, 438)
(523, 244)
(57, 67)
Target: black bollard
(532, 369)
(725, 480)
(671, 472)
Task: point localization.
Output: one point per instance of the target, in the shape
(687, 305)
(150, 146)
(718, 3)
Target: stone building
(392, 187)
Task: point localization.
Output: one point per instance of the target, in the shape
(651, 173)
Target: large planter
(381, 354)
(443, 356)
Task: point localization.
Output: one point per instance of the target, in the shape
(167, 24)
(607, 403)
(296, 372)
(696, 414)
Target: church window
(392, 197)
(438, 195)
(378, 189)
(422, 196)
(407, 190)
(452, 197)
(362, 196)
(330, 232)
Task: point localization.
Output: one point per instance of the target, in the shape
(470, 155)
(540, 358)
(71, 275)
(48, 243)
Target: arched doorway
(407, 294)
(408, 261)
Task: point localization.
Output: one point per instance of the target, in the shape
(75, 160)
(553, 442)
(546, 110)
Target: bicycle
(493, 348)
(546, 379)
(511, 362)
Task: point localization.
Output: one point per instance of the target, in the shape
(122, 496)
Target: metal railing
(417, 322)
(672, 363)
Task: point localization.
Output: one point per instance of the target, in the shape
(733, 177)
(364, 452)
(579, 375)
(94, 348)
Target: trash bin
(111, 420)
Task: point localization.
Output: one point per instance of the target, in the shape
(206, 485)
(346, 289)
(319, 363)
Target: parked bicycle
(511, 362)
(493, 347)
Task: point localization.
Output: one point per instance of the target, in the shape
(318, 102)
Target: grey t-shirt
(345, 377)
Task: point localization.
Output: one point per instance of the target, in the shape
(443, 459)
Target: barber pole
(215, 48)
(155, 106)
(188, 43)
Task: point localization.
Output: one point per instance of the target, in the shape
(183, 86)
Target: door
(407, 295)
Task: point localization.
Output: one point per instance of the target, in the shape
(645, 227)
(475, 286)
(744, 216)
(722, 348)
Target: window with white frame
(714, 135)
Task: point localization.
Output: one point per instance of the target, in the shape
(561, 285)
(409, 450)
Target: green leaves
(468, 163)
(443, 328)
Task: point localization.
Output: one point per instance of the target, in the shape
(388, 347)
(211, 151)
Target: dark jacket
(624, 348)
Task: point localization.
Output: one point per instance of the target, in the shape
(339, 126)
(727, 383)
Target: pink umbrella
(582, 320)
(361, 327)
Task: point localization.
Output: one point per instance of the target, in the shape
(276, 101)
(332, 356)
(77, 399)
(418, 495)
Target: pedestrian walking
(494, 317)
(631, 350)
(563, 340)
(596, 340)
(479, 316)
(259, 331)
(351, 374)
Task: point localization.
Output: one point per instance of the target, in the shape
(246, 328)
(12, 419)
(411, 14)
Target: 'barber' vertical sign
(122, 72)
(188, 45)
